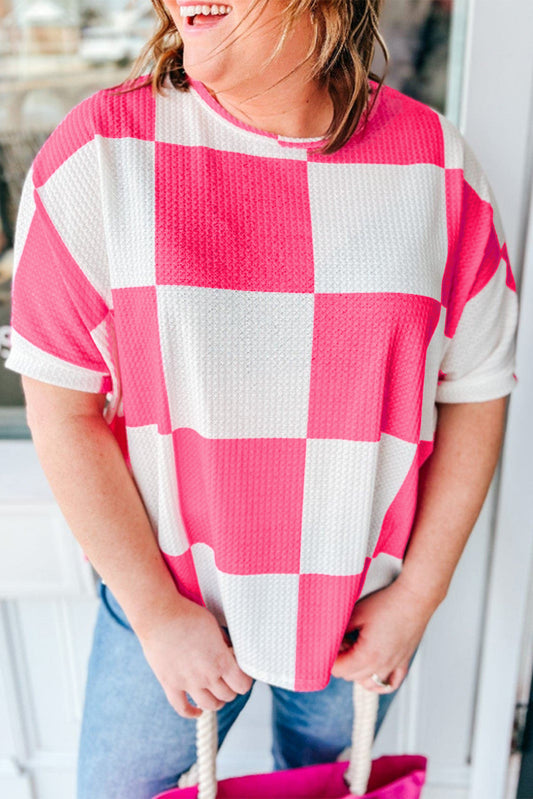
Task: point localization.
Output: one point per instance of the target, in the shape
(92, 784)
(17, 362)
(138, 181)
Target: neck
(295, 112)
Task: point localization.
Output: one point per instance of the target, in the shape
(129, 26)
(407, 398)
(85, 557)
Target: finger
(343, 658)
(184, 708)
(397, 676)
(236, 678)
(221, 690)
(371, 685)
(346, 667)
(394, 680)
(207, 701)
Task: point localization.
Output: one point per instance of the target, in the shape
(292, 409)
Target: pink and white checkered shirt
(273, 328)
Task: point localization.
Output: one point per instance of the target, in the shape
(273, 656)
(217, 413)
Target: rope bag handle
(203, 772)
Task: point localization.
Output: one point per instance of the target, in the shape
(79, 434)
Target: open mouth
(207, 20)
(204, 19)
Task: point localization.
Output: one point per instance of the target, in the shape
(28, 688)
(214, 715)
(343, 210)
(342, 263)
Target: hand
(189, 653)
(391, 623)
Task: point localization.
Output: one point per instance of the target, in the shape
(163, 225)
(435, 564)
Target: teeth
(192, 11)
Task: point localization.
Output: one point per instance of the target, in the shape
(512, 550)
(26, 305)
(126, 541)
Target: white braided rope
(364, 724)
(203, 772)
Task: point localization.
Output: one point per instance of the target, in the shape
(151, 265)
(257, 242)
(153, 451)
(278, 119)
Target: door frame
(497, 120)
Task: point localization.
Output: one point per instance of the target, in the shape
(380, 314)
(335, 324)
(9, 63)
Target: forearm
(454, 482)
(100, 502)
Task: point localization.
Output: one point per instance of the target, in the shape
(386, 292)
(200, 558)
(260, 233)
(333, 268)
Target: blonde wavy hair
(346, 32)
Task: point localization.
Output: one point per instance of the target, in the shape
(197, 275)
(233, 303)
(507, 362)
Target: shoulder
(414, 132)
(125, 110)
(108, 112)
(466, 175)
(426, 122)
(410, 131)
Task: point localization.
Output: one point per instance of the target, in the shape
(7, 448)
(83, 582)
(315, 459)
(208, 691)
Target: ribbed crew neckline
(201, 93)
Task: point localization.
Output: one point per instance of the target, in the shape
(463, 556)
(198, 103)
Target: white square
(154, 468)
(72, 199)
(25, 212)
(453, 143)
(186, 119)
(128, 201)
(262, 614)
(479, 360)
(395, 458)
(383, 570)
(337, 505)
(208, 576)
(348, 488)
(237, 364)
(378, 227)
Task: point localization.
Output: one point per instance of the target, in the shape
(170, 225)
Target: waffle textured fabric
(273, 328)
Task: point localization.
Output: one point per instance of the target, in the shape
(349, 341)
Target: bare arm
(98, 498)
(85, 468)
(454, 482)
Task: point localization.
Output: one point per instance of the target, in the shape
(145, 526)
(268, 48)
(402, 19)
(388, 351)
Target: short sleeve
(479, 291)
(60, 316)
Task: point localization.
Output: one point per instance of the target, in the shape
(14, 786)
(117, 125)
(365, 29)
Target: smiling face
(239, 66)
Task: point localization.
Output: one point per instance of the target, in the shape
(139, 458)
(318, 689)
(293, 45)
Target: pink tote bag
(387, 777)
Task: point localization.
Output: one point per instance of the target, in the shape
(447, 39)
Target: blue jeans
(133, 744)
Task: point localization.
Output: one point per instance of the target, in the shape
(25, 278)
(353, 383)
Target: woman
(281, 274)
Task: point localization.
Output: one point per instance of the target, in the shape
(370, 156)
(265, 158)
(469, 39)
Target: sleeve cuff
(27, 359)
(465, 390)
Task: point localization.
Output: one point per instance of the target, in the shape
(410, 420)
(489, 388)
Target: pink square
(400, 130)
(243, 497)
(369, 354)
(139, 354)
(324, 602)
(55, 307)
(398, 520)
(130, 114)
(255, 248)
(183, 572)
(509, 278)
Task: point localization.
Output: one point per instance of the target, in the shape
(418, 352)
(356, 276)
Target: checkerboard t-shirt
(273, 329)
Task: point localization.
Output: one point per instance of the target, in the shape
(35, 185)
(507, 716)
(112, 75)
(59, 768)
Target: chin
(205, 73)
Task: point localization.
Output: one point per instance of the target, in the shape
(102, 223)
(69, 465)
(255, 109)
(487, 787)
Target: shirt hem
(280, 682)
